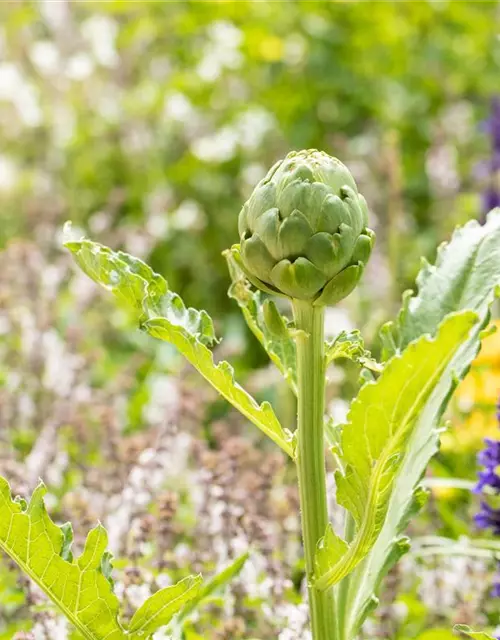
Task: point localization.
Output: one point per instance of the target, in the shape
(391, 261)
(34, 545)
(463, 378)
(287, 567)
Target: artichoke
(303, 230)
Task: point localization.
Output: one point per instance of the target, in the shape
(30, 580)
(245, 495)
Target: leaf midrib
(67, 612)
(349, 561)
(355, 609)
(165, 606)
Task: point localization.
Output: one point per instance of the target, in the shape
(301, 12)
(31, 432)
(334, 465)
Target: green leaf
(472, 634)
(264, 320)
(81, 588)
(350, 345)
(407, 497)
(160, 608)
(382, 420)
(162, 314)
(78, 587)
(466, 276)
(217, 582)
(143, 291)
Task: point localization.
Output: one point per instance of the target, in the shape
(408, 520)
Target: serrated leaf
(163, 315)
(480, 635)
(266, 323)
(381, 421)
(160, 608)
(407, 497)
(350, 345)
(217, 582)
(79, 588)
(465, 276)
(472, 262)
(143, 291)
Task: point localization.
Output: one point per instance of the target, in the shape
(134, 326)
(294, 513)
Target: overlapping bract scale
(303, 231)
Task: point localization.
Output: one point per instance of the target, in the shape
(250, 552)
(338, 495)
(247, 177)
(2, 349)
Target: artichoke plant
(303, 231)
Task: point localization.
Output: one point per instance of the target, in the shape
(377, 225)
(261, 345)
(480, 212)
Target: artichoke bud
(303, 231)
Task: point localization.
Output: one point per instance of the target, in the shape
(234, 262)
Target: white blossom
(163, 398)
(221, 51)
(100, 31)
(138, 594)
(56, 14)
(216, 147)
(54, 627)
(79, 67)
(45, 56)
(16, 89)
(178, 107)
(9, 173)
(188, 215)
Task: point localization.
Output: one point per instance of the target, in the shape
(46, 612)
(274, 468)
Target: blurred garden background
(147, 124)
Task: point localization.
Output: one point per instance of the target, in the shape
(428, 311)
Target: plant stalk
(342, 596)
(309, 321)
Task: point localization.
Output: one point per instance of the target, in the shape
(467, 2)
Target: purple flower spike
(488, 478)
(496, 588)
(491, 199)
(492, 124)
(489, 459)
(490, 456)
(488, 518)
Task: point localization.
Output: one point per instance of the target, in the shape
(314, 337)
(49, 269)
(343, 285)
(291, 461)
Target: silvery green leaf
(373, 444)
(466, 276)
(162, 313)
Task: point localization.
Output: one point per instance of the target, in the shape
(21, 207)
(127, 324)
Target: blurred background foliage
(148, 124)
(159, 117)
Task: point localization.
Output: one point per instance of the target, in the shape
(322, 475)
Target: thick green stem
(309, 321)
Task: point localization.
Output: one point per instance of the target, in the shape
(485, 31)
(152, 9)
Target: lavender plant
(488, 486)
(303, 237)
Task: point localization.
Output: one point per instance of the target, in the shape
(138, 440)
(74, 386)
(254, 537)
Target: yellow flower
(475, 415)
(271, 49)
(468, 432)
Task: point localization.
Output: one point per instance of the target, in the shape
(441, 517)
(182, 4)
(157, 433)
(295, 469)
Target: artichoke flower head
(303, 231)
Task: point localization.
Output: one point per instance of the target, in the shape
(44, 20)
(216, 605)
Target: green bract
(303, 231)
